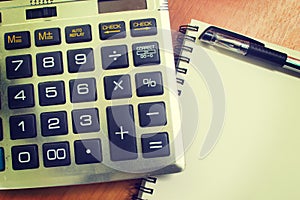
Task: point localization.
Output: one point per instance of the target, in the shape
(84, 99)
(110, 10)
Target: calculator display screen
(106, 6)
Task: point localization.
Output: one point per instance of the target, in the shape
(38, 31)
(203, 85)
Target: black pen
(248, 47)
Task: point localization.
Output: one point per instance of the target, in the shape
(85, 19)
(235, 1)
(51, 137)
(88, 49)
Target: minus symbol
(153, 113)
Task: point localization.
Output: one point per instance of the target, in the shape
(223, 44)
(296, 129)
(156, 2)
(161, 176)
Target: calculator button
(88, 151)
(52, 93)
(54, 123)
(2, 161)
(121, 130)
(143, 27)
(47, 37)
(152, 114)
(1, 130)
(17, 40)
(149, 84)
(81, 60)
(114, 57)
(22, 126)
(49, 63)
(56, 154)
(25, 157)
(85, 120)
(18, 66)
(117, 87)
(146, 53)
(112, 30)
(155, 145)
(83, 90)
(75, 34)
(20, 96)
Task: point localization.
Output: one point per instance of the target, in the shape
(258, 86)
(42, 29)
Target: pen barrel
(266, 55)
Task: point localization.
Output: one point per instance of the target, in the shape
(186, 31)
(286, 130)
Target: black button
(56, 154)
(54, 123)
(81, 60)
(155, 145)
(1, 130)
(2, 161)
(88, 151)
(85, 120)
(152, 114)
(20, 96)
(22, 126)
(18, 66)
(117, 87)
(121, 130)
(49, 63)
(80, 33)
(52, 93)
(149, 84)
(17, 40)
(25, 157)
(114, 57)
(47, 37)
(143, 27)
(146, 53)
(83, 90)
(112, 30)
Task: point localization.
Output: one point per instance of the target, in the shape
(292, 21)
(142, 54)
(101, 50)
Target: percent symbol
(149, 82)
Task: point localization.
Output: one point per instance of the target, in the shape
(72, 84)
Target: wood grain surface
(276, 21)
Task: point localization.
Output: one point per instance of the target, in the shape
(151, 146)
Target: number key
(25, 157)
(20, 96)
(54, 123)
(52, 93)
(18, 66)
(22, 126)
(81, 60)
(56, 154)
(85, 120)
(49, 63)
(83, 90)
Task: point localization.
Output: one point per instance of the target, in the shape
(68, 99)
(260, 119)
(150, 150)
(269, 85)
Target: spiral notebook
(253, 154)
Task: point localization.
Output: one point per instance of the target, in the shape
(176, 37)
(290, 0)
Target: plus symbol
(122, 132)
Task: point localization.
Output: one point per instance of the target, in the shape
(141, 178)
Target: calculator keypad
(75, 107)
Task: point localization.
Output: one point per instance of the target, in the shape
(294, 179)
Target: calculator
(88, 92)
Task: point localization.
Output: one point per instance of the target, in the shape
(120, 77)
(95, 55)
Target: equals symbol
(155, 145)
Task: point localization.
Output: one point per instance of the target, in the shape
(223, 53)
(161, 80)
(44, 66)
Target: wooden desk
(276, 21)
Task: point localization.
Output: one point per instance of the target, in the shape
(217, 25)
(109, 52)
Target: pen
(248, 47)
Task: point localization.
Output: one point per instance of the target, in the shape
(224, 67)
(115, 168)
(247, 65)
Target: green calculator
(88, 92)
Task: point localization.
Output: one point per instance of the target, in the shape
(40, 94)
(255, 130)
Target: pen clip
(232, 34)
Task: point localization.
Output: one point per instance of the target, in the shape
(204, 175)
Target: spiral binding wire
(178, 49)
